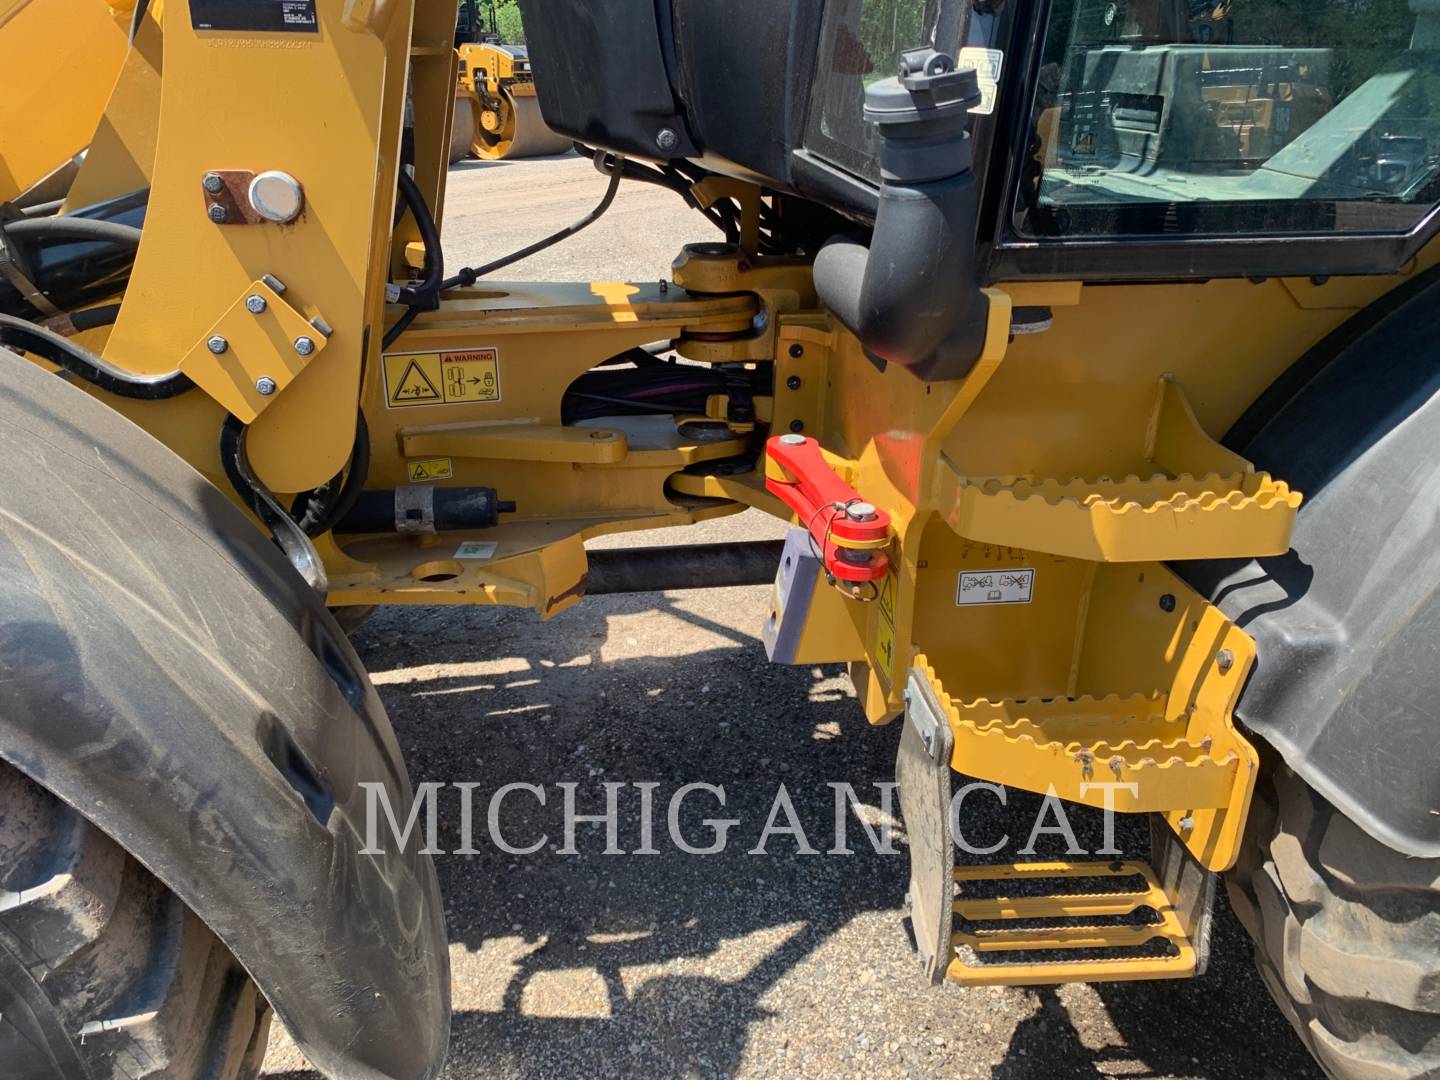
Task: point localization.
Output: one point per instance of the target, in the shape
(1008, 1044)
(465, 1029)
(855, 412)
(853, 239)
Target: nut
(264, 386)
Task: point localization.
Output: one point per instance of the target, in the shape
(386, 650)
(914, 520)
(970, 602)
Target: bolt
(760, 321)
(667, 139)
(217, 344)
(304, 346)
(1186, 823)
(664, 286)
(905, 695)
(792, 440)
(264, 386)
(1167, 602)
(793, 382)
(218, 214)
(797, 351)
(797, 425)
(213, 183)
(255, 304)
(1224, 659)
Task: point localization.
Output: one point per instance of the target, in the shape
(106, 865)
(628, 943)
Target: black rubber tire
(1347, 934)
(104, 973)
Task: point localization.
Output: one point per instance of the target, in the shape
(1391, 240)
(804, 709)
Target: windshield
(1234, 116)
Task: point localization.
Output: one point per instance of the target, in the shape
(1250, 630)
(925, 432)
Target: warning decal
(449, 378)
(439, 468)
(885, 628)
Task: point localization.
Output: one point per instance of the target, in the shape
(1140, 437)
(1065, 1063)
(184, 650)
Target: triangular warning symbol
(415, 385)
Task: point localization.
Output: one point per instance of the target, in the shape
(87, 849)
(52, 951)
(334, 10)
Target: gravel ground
(733, 964)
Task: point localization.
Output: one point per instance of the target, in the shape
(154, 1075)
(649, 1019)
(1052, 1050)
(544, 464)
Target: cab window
(1225, 117)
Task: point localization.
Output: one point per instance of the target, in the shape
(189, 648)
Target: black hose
(469, 275)
(78, 360)
(427, 290)
(72, 228)
(92, 318)
(354, 484)
(399, 327)
(44, 209)
(287, 535)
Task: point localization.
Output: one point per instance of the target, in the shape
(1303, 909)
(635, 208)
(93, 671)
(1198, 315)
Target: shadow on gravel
(544, 709)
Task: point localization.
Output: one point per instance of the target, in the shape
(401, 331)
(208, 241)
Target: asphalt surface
(733, 964)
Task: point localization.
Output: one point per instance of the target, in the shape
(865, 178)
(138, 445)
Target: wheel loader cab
(1135, 138)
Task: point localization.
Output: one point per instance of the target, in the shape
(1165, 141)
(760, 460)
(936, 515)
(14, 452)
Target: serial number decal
(448, 378)
(476, 549)
(269, 16)
(979, 587)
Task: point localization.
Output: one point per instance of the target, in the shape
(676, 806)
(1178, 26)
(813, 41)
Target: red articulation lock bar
(848, 532)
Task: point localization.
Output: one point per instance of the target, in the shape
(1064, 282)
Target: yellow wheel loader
(1092, 358)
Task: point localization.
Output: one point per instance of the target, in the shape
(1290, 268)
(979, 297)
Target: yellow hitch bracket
(253, 351)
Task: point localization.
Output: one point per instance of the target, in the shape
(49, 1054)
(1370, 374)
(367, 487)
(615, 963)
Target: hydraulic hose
(426, 291)
(91, 318)
(72, 228)
(470, 275)
(287, 534)
(321, 514)
(80, 361)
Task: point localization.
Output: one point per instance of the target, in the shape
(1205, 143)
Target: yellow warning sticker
(441, 378)
(885, 628)
(440, 468)
(885, 649)
(887, 598)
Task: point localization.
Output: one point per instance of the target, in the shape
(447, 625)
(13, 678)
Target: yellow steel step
(1187, 498)
(1174, 751)
(1111, 948)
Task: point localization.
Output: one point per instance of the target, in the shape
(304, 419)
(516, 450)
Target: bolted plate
(258, 345)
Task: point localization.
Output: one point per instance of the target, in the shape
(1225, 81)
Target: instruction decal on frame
(462, 377)
(264, 16)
